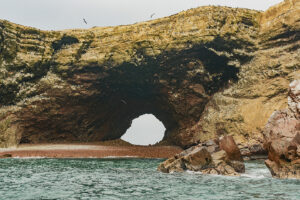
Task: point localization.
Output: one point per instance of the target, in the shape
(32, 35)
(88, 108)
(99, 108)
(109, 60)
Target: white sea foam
(256, 173)
(121, 157)
(193, 172)
(256, 176)
(251, 172)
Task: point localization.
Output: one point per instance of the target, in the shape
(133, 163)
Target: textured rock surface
(204, 72)
(244, 107)
(253, 151)
(282, 137)
(212, 157)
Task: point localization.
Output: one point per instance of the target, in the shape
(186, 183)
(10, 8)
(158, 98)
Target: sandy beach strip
(88, 151)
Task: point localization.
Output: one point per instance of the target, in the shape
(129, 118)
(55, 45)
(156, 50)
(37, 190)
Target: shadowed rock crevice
(63, 42)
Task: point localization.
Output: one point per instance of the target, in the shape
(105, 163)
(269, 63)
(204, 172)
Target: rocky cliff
(282, 137)
(205, 72)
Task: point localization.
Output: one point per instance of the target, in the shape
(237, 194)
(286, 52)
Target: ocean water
(131, 178)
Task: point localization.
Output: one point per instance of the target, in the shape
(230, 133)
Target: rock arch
(198, 72)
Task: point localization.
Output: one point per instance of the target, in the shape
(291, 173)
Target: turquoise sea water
(132, 179)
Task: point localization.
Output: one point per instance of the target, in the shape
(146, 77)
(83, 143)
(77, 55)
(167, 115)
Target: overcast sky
(145, 130)
(66, 14)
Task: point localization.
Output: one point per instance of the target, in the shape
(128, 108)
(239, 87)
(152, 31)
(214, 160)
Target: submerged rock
(282, 137)
(220, 156)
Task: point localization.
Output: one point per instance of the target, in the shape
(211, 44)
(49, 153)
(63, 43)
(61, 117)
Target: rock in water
(282, 137)
(227, 143)
(212, 157)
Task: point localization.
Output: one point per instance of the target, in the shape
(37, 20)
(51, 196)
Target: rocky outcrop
(204, 73)
(220, 156)
(253, 151)
(282, 137)
(243, 108)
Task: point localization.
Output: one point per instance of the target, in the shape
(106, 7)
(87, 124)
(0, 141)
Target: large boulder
(221, 156)
(228, 145)
(282, 137)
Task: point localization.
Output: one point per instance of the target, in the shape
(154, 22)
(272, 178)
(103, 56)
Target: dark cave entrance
(174, 87)
(145, 130)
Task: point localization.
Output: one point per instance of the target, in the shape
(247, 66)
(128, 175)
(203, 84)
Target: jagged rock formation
(282, 137)
(204, 72)
(220, 156)
(244, 108)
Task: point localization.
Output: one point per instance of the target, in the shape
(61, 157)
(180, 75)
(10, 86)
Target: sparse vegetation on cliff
(205, 72)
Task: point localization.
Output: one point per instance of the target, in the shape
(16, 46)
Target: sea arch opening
(145, 130)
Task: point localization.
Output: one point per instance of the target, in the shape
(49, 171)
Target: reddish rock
(198, 159)
(228, 144)
(208, 158)
(282, 137)
(277, 149)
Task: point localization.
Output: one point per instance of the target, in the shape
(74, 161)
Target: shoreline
(88, 151)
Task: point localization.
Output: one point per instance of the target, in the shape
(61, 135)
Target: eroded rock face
(244, 108)
(282, 137)
(220, 156)
(204, 73)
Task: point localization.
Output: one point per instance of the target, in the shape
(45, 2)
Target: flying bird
(152, 15)
(84, 21)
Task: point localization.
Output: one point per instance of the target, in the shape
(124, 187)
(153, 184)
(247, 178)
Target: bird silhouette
(84, 21)
(152, 15)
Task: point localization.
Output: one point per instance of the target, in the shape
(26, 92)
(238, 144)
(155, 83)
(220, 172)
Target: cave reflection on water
(145, 130)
